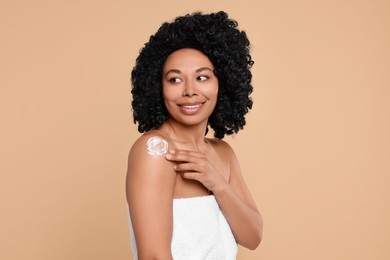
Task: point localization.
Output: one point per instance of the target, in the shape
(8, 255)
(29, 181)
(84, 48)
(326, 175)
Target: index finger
(186, 152)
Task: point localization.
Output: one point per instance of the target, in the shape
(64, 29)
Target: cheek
(166, 92)
(170, 93)
(213, 90)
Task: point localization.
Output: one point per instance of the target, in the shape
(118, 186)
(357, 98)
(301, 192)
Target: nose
(190, 89)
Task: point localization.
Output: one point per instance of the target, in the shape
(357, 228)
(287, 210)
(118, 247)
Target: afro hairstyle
(217, 36)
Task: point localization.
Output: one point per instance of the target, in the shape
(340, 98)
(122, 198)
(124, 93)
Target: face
(190, 88)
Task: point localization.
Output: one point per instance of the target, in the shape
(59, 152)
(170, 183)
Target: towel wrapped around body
(200, 231)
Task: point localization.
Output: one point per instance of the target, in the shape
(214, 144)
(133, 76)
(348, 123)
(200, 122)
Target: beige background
(315, 152)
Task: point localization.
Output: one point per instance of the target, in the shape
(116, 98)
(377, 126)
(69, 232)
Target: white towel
(200, 231)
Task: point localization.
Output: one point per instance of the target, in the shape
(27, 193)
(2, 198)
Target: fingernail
(172, 151)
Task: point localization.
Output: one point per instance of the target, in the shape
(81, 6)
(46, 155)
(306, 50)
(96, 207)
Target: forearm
(245, 221)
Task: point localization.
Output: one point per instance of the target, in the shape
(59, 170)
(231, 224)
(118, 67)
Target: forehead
(187, 58)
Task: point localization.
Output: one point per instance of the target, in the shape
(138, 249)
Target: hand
(196, 166)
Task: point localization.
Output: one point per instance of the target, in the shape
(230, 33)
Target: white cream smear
(157, 146)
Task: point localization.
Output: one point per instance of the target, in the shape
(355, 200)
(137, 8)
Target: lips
(190, 108)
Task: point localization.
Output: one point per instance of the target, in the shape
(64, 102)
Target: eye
(202, 78)
(174, 80)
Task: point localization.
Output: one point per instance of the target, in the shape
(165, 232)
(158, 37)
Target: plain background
(315, 152)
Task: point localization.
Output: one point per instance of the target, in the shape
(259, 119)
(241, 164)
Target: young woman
(186, 194)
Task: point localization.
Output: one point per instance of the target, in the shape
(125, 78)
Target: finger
(188, 167)
(186, 152)
(183, 158)
(192, 176)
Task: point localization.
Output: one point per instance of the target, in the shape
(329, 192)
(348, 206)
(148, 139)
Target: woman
(187, 197)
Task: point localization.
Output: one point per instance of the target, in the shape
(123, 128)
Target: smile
(191, 107)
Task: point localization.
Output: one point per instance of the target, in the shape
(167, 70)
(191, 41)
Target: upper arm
(149, 189)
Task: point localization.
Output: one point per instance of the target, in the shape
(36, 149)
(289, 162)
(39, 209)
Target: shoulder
(152, 144)
(222, 147)
(148, 170)
(148, 154)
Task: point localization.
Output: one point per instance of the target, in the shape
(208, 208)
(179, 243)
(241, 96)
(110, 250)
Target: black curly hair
(217, 36)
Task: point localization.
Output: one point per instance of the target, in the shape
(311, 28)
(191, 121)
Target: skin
(194, 165)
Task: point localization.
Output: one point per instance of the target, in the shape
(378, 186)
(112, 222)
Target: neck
(191, 135)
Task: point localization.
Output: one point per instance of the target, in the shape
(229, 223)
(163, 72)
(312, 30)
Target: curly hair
(217, 36)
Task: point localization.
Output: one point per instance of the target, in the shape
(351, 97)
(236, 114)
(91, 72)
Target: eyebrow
(179, 72)
(203, 68)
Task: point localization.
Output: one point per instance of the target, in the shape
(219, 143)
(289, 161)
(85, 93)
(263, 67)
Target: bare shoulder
(222, 147)
(147, 165)
(150, 145)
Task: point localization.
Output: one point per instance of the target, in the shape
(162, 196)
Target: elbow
(259, 234)
(254, 242)
(256, 238)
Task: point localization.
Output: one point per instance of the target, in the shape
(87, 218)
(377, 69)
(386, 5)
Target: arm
(239, 207)
(233, 196)
(149, 189)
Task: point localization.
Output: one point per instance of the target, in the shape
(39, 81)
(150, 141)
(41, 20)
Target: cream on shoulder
(157, 146)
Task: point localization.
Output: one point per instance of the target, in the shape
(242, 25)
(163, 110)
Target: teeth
(190, 107)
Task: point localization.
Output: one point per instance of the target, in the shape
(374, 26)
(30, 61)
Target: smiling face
(190, 88)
